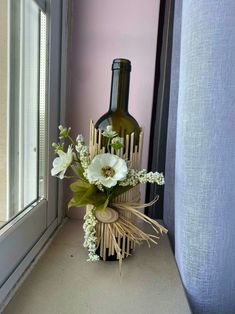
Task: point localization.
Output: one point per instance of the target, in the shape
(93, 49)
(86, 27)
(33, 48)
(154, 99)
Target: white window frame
(25, 235)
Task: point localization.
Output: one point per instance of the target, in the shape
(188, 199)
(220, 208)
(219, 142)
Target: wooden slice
(109, 215)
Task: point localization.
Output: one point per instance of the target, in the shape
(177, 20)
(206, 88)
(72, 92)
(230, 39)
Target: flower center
(108, 171)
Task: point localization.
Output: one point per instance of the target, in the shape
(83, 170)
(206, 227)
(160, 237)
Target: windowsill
(62, 282)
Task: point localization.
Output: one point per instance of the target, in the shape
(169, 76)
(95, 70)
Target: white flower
(106, 169)
(109, 132)
(61, 163)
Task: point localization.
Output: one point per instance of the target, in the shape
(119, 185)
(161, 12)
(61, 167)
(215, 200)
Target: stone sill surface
(63, 282)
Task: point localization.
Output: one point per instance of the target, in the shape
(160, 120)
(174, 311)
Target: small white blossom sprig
(77, 155)
(108, 132)
(135, 177)
(82, 151)
(114, 140)
(90, 239)
(64, 132)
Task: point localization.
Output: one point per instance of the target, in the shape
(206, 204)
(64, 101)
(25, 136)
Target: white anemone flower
(107, 169)
(61, 163)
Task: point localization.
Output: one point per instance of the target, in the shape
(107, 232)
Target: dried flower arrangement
(103, 177)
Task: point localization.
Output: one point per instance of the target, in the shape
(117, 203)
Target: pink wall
(101, 31)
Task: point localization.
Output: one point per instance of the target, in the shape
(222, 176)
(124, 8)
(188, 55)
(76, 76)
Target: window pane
(26, 54)
(42, 103)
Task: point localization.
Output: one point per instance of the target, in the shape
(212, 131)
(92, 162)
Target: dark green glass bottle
(118, 116)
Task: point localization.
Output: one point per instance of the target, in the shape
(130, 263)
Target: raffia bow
(122, 235)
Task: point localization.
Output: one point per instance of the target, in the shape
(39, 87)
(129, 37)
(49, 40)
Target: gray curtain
(200, 167)
(169, 189)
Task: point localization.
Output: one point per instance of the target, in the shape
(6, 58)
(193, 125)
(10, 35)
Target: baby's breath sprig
(90, 236)
(135, 177)
(82, 151)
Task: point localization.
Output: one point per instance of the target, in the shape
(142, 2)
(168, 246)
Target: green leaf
(117, 145)
(103, 206)
(78, 170)
(81, 191)
(85, 193)
(120, 190)
(75, 203)
(80, 186)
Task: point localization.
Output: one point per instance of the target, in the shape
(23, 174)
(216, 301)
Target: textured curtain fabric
(169, 189)
(201, 189)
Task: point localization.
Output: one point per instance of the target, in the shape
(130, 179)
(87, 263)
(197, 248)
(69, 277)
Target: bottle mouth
(121, 63)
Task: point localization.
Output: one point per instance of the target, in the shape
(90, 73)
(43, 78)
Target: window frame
(32, 227)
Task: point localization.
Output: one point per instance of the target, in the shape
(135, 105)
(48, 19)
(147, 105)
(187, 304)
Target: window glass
(23, 106)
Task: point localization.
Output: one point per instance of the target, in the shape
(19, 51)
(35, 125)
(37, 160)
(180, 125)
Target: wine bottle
(120, 119)
(118, 116)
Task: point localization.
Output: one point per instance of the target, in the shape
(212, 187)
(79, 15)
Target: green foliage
(58, 147)
(120, 190)
(116, 145)
(78, 169)
(85, 193)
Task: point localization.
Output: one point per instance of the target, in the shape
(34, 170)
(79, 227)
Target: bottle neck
(120, 90)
